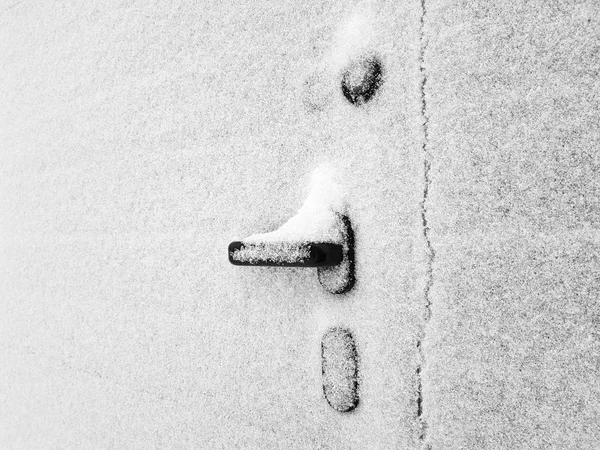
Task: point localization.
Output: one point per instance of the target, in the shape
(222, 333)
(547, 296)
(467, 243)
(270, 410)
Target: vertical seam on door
(430, 253)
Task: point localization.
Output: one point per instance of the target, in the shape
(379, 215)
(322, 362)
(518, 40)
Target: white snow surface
(354, 38)
(140, 138)
(317, 220)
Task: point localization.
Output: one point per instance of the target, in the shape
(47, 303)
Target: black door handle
(284, 254)
(334, 260)
(319, 235)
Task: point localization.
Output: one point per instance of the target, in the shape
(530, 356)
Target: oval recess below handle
(340, 369)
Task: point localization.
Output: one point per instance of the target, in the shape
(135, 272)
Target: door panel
(138, 142)
(512, 349)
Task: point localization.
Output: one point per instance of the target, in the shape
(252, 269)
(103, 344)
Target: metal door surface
(139, 139)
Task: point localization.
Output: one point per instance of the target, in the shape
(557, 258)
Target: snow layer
(280, 252)
(318, 218)
(513, 106)
(137, 140)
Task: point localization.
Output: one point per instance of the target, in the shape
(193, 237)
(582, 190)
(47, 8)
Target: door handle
(319, 235)
(334, 259)
(297, 254)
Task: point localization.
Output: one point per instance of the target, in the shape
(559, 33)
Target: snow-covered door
(287, 116)
(513, 345)
(138, 140)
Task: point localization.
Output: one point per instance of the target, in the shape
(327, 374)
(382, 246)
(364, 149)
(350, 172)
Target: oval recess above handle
(319, 235)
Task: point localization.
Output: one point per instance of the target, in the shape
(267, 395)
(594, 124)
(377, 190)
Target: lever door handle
(298, 254)
(334, 260)
(319, 235)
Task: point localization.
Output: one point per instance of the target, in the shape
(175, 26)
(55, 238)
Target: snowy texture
(281, 252)
(340, 369)
(512, 347)
(317, 220)
(355, 37)
(138, 138)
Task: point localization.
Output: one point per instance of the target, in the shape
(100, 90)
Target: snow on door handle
(301, 254)
(320, 235)
(334, 260)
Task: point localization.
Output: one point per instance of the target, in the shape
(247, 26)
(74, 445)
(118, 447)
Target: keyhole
(361, 80)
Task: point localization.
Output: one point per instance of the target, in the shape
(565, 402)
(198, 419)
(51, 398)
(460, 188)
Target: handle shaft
(285, 254)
